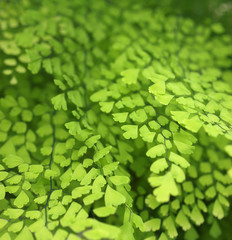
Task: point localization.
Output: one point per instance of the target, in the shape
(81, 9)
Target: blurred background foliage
(200, 10)
(203, 10)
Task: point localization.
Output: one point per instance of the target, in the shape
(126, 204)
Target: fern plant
(115, 122)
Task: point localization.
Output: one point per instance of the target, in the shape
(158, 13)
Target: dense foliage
(115, 122)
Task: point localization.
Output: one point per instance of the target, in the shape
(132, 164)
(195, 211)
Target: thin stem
(50, 164)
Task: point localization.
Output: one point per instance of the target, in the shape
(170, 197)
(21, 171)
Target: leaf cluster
(115, 122)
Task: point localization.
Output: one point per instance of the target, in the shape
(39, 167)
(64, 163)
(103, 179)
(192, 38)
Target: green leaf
(217, 28)
(36, 168)
(70, 215)
(15, 179)
(21, 200)
(169, 224)
(155, 151)
(33, 214)
(44, 130)
(188, 186)
(73, 127)
(131, 131)
(13, 161)
(104, 211)
(126, 231)
(120, 117)
(226, 115)
(60, 84)
(3, 223)
(165, 187)
(27, 115)
(113, 197)
(152, 202)
(58, 47)
(57, 211)
(62, 234)
(163, 237)
(109, 168)
(92, 141)
(228, 149)
(10, 62)
(154, 125)
(5, 125)
(87, 162)
(47, 64)
(99, 96)
(101, 153)
(218, 210)
(193, 124)
(19, 127)
(159, 165)
(162, 120)
(127, 102)
(65, 178)
(138, 100)
(15, 227)
(2, 191)
(164, 99)
(46, 150)
(40, 200)
(13, 213)
(137, 220)
(102, 230)
(79, 173)
(59, 102)
(69, 80)
(98, 183)
(158, 88)
(153, 224)
(130, 76)
(66, 200)
(215, 230)
(146, 135)
(119, 180)
(183, 221)
(92, 174)
(150, 74)
(35, 61)
(191, 234)
(70, 143)
(12, 189)
(178, 160)
(206, 180)
(76, 98)
(106, 106)
(56, 194)
(26, 185)
(15, 111)
(90, 199)
(180, 116)
(196, 216)
(139, 115)
(178, 88)
(43, 233)
(183, 143)
(202, 205)
(76, 154)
